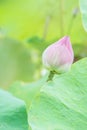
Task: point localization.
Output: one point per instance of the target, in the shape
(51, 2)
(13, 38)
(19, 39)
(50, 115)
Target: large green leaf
(62, 103)
(13, 115)
(83, 6)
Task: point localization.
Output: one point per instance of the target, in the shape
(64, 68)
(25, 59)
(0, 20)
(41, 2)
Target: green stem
(50, 77)
(61, 5)
(46, 27)
(71, 24)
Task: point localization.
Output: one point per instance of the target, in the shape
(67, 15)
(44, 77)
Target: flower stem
(51, 74)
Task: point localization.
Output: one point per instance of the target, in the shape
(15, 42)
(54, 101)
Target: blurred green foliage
(27, 91)
(17, 62)
(47, 19)
(83, 7)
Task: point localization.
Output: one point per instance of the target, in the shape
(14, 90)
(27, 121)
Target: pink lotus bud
(59, 56)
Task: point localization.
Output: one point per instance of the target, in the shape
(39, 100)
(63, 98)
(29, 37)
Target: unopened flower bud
(59, 56)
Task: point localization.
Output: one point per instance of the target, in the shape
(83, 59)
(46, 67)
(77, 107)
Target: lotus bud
(59, 56)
